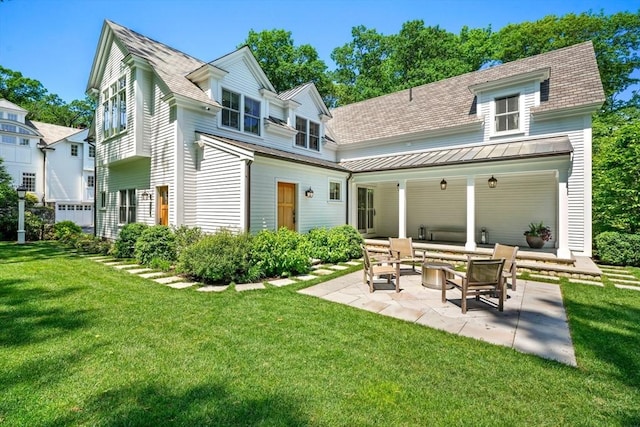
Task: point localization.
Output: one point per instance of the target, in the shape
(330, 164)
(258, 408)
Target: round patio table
(433, 275)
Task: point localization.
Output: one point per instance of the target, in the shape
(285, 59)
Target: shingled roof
(171, 65)
(52, 133)
(574, 82)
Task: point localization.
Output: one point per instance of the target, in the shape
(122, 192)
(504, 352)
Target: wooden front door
(287, 205)
(163, 205)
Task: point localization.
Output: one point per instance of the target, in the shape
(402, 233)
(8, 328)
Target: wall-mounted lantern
(309, 193)
(492, 182)
(443, 184)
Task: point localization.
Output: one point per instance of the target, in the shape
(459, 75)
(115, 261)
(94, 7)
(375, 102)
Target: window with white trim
(103, 200)
(74, 150)
(91, 181)
(12, 116)
(507, 113)
(24, 141)
(308, 135)
(92, 151)
(127, 206)
(29, 181)
(7, 139)
(230, 109)
(240, 112)
(114, 108)
(335, 191)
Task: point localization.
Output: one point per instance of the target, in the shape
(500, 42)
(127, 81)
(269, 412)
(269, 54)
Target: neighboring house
(184, 142)
(53, 162)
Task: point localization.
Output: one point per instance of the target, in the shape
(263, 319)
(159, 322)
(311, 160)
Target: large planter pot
(535, 242)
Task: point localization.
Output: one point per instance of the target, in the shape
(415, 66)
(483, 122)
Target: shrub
(282, 253)
(157, 242)
(64, 228)
(185, 237)
(124, 245)
(222, 257)
(337, 244)
(345, 242)
(618, 248)
(90, 244)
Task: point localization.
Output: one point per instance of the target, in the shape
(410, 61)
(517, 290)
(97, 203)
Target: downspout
(248, 198)
(347, 196)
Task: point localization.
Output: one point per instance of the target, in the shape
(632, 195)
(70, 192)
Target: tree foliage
(286, 65)
(43, 106)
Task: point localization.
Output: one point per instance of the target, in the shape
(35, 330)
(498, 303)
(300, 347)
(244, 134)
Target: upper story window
(12, 116)
(308, 135)
(92, 151)
(507, 115)
(9, 128)
(114, 108)
(231, 108)
(74, 150)
(91, 181)
(24, 141)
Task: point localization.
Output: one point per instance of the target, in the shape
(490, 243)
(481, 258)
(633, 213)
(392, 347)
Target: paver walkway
(533, 321)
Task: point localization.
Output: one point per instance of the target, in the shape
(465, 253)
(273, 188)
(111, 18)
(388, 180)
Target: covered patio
(533, 321)
(474, 195)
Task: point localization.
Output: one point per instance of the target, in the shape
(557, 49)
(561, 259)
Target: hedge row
(223, 257)
(618, 248)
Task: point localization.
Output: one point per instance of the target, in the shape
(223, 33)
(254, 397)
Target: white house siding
(219, 183)
(65, 184)
(122, 145)
(579, 184)
(123, 176)
(310, 212)
(193, 122)
(19, 159)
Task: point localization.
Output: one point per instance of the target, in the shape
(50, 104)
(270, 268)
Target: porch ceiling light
(443, 184)
(493, 182)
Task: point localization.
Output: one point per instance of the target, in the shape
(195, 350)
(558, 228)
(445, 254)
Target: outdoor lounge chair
(483, 276)
(402, 249)
(385, 266)
(509, 254)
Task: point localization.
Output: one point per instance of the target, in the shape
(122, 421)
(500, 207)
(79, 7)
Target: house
(181, 141)
(53, 162)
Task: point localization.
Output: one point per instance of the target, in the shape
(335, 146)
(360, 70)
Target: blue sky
(54, 41)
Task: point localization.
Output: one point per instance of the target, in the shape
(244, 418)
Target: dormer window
(507, 115)
(308, 135)
(231, 107)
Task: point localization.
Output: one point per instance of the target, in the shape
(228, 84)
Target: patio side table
(433, 275)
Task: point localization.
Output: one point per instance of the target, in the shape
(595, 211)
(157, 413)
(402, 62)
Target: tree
(616, 40)
(43, 106)
(286, 65)
(616, 171)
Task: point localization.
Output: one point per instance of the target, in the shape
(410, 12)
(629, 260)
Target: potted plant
(537, 235)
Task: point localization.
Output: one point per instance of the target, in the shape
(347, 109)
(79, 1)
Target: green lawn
(85, 344)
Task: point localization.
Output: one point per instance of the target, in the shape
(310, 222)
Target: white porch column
(471, 214)
(402, 208)
(563, 216)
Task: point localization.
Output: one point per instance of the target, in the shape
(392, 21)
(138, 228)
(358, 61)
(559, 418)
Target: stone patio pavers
(167, 280)
(534, 320)
(181, 285)
(281, 282)
(212, 288)
(338, 267)
(322, 271)
(249, 286)
(631, 287)
(306, 277)
(138, 270)
(152, 274)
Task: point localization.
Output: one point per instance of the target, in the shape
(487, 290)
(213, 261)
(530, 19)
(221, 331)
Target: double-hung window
(335, 191)
(127, 206)
(92, 151)
(230, 109)
(308, 135)
(507, 115)
(114, 108)
(240, 111)
(74, 150)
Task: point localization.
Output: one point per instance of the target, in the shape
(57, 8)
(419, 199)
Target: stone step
(630, 282)
(621, 276)
(587, 282)
(633, 288)
(544, 277)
